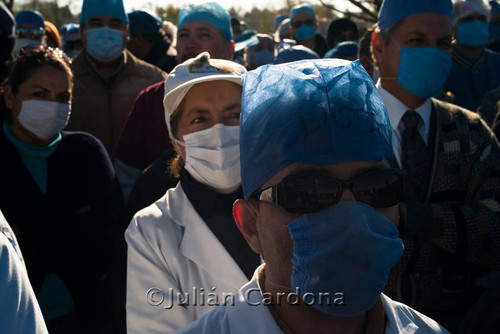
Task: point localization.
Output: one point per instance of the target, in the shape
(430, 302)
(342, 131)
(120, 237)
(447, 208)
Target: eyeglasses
(310, 192)
(34, 30)
(298, 24)
(41, 51)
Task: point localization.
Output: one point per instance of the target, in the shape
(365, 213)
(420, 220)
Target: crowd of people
(205, 177)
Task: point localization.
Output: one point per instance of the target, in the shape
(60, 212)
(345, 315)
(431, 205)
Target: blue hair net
(305, 7)
(144, 21)
(320, 112)
(93, 8)
(294, 53)
(30, 17)
(6, 20)
(393, 11)
(211, 13)
(343, 50)
(278, 19)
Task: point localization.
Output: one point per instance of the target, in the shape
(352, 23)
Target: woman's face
(207, 104)
(46, 83)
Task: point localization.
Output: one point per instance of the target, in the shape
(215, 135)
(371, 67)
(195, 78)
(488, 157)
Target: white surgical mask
(44, 119)
(213, 157)
(24, 42)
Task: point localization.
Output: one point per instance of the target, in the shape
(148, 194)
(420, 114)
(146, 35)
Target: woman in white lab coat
(185, 253)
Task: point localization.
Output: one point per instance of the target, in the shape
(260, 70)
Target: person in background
(473, 69)
(170, 30)
(108, 77)
(282, 31)
(304, 27)
(494, 28)
(144, 137)
(261, 53)
(186, 242)
(290, 53)
(365, 53)
(320, 208)
(68, 232)
(30, 29)
(148, 42)
(7, 41)
(341, 30)
(19, 310)
(449, 217)
(278, 19)
(52, 35)
(236, 27)
(344, 50)
(73, 41)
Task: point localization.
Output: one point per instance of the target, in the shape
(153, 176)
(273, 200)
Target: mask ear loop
(399, 47)
(177, 142)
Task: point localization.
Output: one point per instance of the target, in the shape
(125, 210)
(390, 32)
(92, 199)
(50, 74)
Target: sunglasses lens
(307, 193)
(379, 189)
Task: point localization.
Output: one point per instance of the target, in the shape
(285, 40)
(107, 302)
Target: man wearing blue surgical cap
(450, 164)
(107, 77)
(30, 30)
(303, 27)
(475, 68)
(321, 206)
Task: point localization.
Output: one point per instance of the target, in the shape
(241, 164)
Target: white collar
(396, 109)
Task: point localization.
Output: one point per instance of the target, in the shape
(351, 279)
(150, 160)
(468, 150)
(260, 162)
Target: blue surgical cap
(305, 7)
(294, 53)
(393, 11)
(144, 21)
(72, 28)
(211, 13)
(6, 20)
(495, 7)
(278, 19)
(93, 8)
(320, 112)
(344, 50)
(30, 17)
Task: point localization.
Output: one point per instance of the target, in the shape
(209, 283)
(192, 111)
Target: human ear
(377, 47)
(9, 97)
(245, 217)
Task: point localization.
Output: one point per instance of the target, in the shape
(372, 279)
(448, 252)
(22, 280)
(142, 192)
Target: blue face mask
(305, 32)
(494, 32)
(264, 57)
(105, 44)
(423, 71)
(473, 33)
(347, 251)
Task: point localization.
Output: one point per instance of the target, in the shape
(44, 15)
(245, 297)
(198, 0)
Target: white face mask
(44, 119)
(213, 157)
(24, 42)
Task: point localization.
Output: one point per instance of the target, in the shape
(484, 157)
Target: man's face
(266, 231)
(197, 37)
(299, 19)
(472, 17)
(102, 21)
(344, 36)
(419, 30)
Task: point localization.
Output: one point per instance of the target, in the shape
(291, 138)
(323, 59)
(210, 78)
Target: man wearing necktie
(450, 161)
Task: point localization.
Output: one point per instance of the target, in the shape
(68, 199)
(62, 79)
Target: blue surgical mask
(264, 57)
(105, 44)
(305, 32)
(494, 32)
(473, 33)
(347, 251)
(423, 71)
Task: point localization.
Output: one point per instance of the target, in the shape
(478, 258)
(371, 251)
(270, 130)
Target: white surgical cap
(463, 8)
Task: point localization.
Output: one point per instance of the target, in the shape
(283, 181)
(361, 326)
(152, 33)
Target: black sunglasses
(309, 192)
(297, 24)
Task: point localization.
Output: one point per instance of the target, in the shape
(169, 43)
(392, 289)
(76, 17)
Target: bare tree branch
(369, 9)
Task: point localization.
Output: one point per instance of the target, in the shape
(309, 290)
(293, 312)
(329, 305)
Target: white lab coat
(171, 250)
(249, 315)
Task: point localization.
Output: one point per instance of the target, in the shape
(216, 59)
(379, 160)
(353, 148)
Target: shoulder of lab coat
(172, 251)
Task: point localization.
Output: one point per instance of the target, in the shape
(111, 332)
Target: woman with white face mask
(59, 193)
(184, 251)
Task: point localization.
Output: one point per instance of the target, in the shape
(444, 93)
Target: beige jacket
(101, 106)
